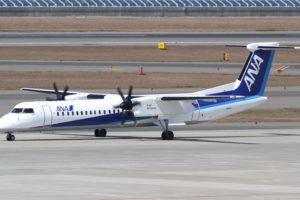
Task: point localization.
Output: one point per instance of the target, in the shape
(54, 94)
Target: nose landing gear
(10, 137)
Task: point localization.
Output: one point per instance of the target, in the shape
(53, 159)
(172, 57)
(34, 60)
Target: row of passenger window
(91, 112)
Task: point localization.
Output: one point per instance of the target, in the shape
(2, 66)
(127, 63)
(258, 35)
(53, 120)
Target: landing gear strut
(100, 132)
(166, 134)
(10, 137)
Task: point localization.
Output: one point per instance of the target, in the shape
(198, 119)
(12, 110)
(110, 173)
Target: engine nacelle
(80, 96)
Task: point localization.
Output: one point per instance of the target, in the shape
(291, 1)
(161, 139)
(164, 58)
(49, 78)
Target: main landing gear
(100, 132)
(166, 134)
(10, 137)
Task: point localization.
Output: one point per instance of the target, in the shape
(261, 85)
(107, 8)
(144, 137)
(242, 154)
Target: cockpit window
(22, 110)
(17, 110)
(28, 110)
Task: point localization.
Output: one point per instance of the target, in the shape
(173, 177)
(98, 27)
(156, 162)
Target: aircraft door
(196, 113)
(47, 116)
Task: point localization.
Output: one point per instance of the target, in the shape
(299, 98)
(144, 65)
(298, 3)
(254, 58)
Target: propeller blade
(121, 93)
(126, 105)
(56, 91)
(129, 92)
(55, 87)
(65, 93)
(59, 96)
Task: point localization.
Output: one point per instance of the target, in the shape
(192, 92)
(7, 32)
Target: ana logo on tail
(252, 72)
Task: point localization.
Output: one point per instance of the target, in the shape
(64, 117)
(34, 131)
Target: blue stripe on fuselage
(117, 118)
(98, 120)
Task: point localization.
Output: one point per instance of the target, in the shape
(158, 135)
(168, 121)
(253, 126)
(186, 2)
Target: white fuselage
(91, 114)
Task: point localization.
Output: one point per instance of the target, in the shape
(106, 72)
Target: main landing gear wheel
(100, 132)
(10, 137)
(167, 135)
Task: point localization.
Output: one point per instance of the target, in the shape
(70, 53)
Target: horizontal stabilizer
(263, 45)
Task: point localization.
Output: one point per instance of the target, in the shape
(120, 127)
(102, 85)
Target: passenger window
(86, 112)
(114, 111)
(72, 112)
(91, 112)
(104, 112)
(62, 113)
(95, 112)
(68, 113)
(108, 111)
(99, 112)
(77, 113)
(57, 113)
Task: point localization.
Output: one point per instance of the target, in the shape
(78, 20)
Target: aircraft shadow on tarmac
(210, 139)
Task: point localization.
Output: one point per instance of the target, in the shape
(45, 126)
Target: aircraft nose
(6, 124)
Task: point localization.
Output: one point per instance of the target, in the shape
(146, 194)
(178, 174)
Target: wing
(208, 97)
(47, 91)
(70, 95)
(170, 105)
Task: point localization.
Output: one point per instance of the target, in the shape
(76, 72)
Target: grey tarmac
(123, 66)
(199, 164)
(143, 38)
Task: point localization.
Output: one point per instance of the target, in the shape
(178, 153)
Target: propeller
(127, 104)
(59, 96)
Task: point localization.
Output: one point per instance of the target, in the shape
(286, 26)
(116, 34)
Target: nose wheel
(10, 137)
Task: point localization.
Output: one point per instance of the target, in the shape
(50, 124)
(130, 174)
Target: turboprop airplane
(76, 110)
